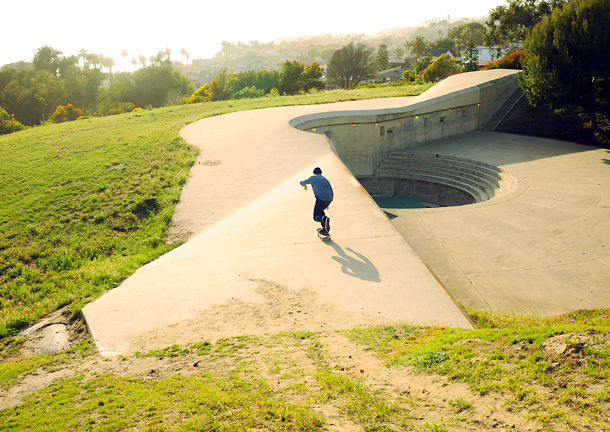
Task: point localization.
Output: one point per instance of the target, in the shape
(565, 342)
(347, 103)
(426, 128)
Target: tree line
(32, 96)
(562, 69)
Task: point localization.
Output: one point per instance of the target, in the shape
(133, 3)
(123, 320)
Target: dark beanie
(317, 170)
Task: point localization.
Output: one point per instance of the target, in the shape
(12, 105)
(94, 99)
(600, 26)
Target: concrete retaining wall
(459, 104)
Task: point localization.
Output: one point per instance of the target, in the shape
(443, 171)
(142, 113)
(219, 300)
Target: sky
(147, 27)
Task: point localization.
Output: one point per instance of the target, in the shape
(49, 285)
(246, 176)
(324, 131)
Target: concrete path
(544, 248)
(255, 264)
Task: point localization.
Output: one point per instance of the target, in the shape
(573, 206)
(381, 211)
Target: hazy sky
(146, 27)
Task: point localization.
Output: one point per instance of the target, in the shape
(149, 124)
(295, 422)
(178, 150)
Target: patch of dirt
(33, 338)
(282, 310)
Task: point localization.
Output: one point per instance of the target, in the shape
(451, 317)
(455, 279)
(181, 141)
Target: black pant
(318, 210)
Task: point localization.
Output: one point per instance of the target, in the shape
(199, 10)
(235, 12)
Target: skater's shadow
(359, 266)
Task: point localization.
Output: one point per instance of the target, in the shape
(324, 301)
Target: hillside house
(390, 75)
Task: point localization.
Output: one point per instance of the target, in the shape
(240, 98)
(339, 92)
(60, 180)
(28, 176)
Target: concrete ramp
(254, 263)
(263, 270)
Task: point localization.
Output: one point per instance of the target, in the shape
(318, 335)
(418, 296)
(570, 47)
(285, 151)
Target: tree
(327, 54)
(350, 65)
(512, 22)
(467, 31)
(107, 62)
(184, 53)
(423, 63)
(312, 76)
(383, 62)
(470, 59)
(313, 54)
(446, 44)
(124, 53)
(47, 58)
(417, 46)
(142, 60)
(289, 79)
(82, 53)
(565, 60)
(398, 52)
(441, 68)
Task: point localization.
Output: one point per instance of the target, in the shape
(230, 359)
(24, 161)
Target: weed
(458, 405)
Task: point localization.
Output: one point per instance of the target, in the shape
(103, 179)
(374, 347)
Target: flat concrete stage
(544, 248)
(254, 263)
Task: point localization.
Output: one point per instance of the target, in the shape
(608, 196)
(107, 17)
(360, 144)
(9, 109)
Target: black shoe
(326, 224)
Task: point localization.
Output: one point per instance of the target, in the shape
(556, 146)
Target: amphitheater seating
(482, 181)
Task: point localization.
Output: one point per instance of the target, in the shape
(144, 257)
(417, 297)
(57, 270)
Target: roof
(437, 52)
(392, 72)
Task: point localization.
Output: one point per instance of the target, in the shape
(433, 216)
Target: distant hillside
(255, 55)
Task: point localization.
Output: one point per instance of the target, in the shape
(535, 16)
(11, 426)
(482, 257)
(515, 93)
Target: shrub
(65, 113)
(8, 124)
(441, 68)
(510, 61)
(248, 93)
(412, 77)
(137, 109)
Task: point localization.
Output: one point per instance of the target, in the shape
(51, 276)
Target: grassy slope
(296, 382)
(74, 215)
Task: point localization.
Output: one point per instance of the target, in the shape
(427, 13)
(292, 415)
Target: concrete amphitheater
(508, 222)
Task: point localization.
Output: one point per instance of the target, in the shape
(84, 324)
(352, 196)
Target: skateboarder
(323, 192)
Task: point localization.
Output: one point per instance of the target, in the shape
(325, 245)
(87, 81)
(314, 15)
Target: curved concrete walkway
(257, 265)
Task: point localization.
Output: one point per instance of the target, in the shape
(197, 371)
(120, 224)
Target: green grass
(280, 382)
(108, 403)
(84, 204)
(506, 356)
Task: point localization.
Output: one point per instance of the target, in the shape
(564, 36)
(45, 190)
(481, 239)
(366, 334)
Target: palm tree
(107, 62)
(417, 46)
(82, 53)
(168, 52)
(124, 53)
(183, 52)
(134, 62)
(142, 60)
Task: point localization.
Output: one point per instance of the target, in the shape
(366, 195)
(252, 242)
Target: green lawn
(84, 204)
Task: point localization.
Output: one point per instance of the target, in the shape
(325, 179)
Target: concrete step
(414, 155)
(481, 180)
(488, 175)
(489, 185)
(479, 194)
(481, 191)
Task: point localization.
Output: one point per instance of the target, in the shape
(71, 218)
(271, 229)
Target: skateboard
(324, 237)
